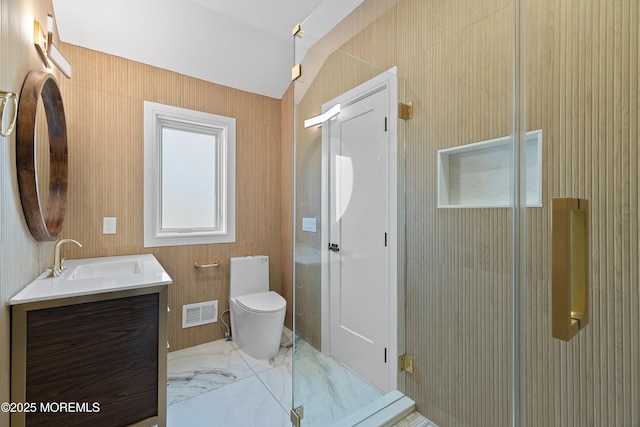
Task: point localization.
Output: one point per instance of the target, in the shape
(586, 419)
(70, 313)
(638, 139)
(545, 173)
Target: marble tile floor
(217, 384)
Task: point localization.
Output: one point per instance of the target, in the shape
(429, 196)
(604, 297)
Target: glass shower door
(458, 62)
(347, 234)
(582, 92)
(453, 62)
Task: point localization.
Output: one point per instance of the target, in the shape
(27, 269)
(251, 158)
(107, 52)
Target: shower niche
(478, 175)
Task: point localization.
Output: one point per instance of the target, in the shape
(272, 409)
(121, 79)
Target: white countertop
(101, 275)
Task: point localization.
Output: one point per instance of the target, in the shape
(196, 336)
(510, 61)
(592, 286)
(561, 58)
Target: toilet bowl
(257, 314)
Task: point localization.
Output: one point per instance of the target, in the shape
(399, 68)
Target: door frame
(388, 80)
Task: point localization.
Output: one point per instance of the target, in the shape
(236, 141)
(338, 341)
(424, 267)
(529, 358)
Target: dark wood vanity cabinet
(97, 360)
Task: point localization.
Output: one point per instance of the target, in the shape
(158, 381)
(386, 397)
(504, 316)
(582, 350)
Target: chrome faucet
(58, 268)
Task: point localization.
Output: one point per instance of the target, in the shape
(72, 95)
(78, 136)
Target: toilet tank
(248, 275)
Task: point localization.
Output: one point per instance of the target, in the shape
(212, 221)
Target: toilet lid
(264, 302)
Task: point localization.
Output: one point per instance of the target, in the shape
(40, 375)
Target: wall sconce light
(53, 53)
(59, 60)
(41, 41)
(47, 50)
(318, 120)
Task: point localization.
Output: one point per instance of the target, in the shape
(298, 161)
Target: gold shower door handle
(569, 266)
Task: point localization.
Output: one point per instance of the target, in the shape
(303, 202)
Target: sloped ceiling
(244, 44)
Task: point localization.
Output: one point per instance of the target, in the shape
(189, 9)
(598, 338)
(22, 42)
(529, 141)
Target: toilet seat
(261, 302)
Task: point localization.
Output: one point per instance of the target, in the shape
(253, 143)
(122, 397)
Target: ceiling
(244, 44)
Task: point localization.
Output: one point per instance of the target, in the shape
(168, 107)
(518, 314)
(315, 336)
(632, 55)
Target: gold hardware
(58, 267)
(297, 31)
(48, 52)
(297, 415)
(406, 364)
(405, 111)
(296, 72)
(40, 41)
(570, 266)
(198, 265)
(6, 97)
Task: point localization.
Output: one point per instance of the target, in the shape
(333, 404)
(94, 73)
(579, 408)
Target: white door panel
(359, 225)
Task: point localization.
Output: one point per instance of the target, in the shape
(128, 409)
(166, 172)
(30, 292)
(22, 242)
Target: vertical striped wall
(286, 203)
(104, 107)
(458, 66)
(582, 91)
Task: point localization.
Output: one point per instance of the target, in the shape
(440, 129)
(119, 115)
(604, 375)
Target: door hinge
(405, 111)
(296, 72)
(297, 31)
(297, 415)
(405, 363)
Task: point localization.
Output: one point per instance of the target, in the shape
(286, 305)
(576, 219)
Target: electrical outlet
(108, 225)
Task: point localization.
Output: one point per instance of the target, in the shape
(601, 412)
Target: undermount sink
(93, 276)
(104, 269)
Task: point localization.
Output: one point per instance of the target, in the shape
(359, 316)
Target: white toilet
(257, 314)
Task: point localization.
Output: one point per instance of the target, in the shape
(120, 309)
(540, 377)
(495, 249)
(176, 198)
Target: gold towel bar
(198, 265)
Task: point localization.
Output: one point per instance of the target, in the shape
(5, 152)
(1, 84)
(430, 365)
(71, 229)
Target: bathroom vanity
(90, 347)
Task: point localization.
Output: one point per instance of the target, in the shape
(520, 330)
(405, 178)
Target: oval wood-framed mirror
(44, 213)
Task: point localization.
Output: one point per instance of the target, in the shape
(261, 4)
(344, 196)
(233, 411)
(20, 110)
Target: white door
(359, 236)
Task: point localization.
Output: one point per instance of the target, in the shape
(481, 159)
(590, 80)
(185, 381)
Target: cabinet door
(94, 363)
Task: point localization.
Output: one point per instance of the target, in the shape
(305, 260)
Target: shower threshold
(385, 411)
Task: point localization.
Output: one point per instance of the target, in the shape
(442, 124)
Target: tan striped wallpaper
(582, 91)
(104, 107)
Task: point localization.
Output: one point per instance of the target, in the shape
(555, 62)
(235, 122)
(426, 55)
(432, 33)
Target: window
(189, 177)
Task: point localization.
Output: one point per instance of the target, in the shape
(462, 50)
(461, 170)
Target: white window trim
(155, 115)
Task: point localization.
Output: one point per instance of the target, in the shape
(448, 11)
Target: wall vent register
(199, 313)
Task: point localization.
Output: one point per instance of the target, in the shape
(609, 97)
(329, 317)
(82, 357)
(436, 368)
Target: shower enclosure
(466, 213)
